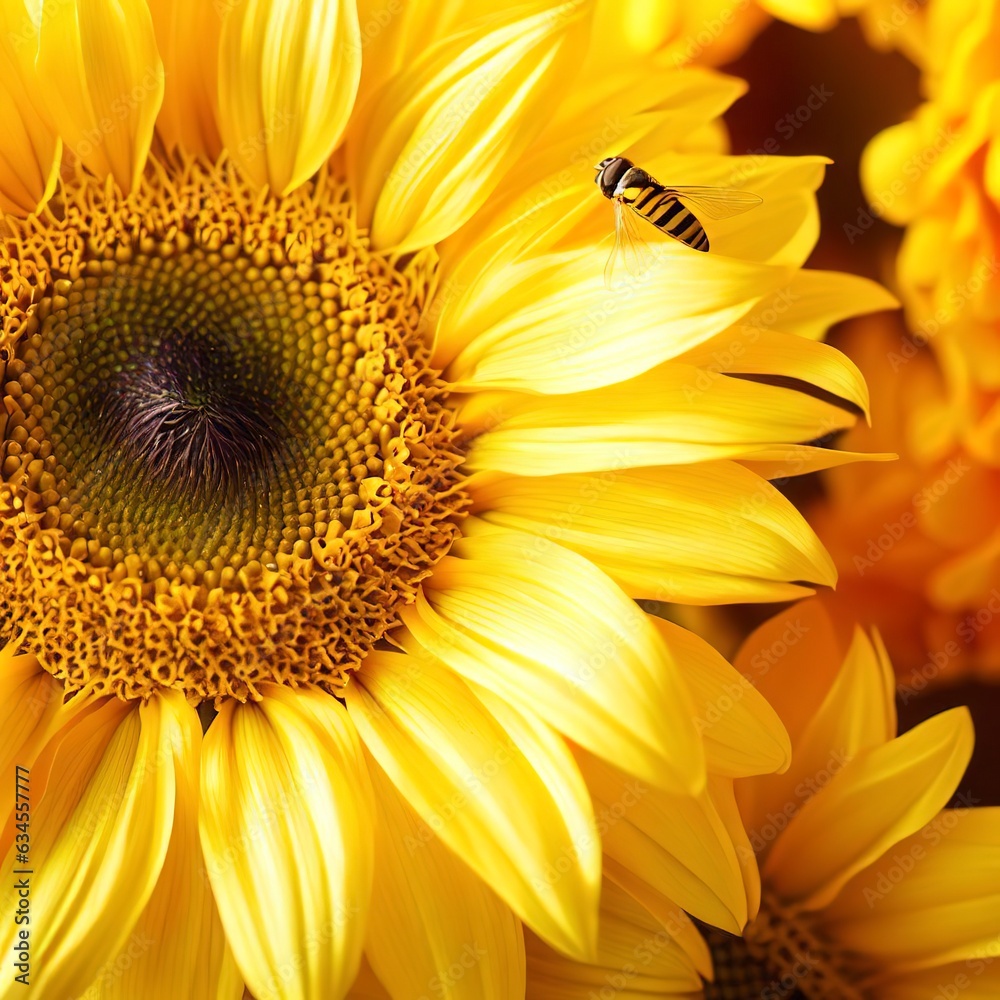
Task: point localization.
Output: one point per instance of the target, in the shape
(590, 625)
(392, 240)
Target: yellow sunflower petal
(99, 834)
(288, 76)
(742, 733)
(816, 15)
(30, 698)
(856, 713)
(286, 827)
(446, 129)
(883, 795)
(177, 948)
(673, 414)
(559, 329)
(435, 926)
(932, 898)
(749, 350)
(722, 792)
(974, 979)
(781, 230)
(476, 788)
(189, 117)
(367, 986)
(102, 80)
(553, 188)
(677, 844)
(539, 625)
(680, 926)
(637, 959)
(813, 301)
(784, 461)
(29, 161)
(657, 531)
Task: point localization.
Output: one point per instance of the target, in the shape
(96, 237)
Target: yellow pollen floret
(225, 459)
(778, 956)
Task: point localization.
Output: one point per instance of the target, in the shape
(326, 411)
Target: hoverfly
(629, 186)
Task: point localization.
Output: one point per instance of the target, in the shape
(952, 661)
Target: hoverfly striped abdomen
(661, 207)
(630, 187)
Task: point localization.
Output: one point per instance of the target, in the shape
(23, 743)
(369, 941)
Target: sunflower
(920, 557)
(331, 470)
(869, 886)
(911, 540)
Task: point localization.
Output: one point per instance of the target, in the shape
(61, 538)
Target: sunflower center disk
(778, 958)
(225, 460)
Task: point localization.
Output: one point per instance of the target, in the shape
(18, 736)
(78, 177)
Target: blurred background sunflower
(901, 96)
(868, 887)
(332, 473)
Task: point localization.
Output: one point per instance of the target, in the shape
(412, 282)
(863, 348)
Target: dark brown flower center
(225, 459)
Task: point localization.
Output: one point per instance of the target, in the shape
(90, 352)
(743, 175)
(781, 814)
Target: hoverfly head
(609, 172)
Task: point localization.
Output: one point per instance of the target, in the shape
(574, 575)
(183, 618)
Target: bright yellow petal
(286, 827)
(789, 460)
(30, 698)
(637, 959)
(177, 948)
(475, 788)
(712, 533)
(975, 979)
(288, 76)
(555, 178)
(813, 301)
(673, 414)
(541, 626)
(678, 924)
(447, 128)
(749, 350)
(932, 898)
(782, 230)
(99, 833)
(552, 189)
(29, 161)
(556, 328)
(677, 844)
(435, 926)
(883, 795)
(857, 713)
(816, 15)
(102, 80)
(743, 734)
(722, 792)
(189, 45)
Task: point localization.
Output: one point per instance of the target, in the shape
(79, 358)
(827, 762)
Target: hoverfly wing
(717, 202)
(634, 251)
